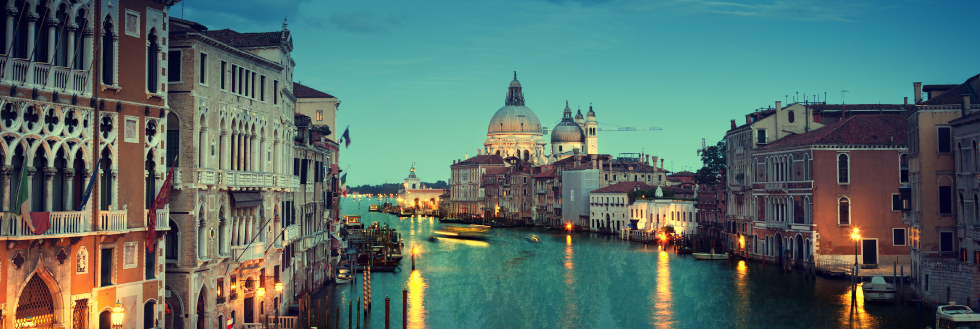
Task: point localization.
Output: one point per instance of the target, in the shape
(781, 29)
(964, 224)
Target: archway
(149, 314)
(173, 311)
(799, 247)
(779, 246)
(105, 320)
(36, 304)
(201, 312)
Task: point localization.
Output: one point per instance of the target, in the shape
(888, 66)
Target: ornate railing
(112, 220)
(163, 218)
(243, 253)
(44, 76)
(61, 222)
(205, 176)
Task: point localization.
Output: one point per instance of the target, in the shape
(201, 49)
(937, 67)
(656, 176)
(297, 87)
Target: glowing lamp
(278, 286)
(118, 313)
(856, 235)
(568, 226)
(260, 292)
(29, 323)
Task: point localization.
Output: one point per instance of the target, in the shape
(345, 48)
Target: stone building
(508, 192)
(306, 258)
(938, 204)
(414, 194)
(812, 190)
(465, 184)
(65, 123)
(610, 207)
(321, 107)
(515, 130)
(231, 132)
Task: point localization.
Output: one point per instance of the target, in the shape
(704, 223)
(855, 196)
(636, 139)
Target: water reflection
(741, 291)
(856, 316)
(663, 308)
(571, 314)
(416, 303)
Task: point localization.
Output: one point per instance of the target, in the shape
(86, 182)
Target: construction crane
(617, 128)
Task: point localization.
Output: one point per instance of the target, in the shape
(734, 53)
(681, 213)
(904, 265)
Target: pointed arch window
(41, 37)
(152, 63)
(108, 53)
(173, 241)
(78, 52)
(843, 211)
(18, 47)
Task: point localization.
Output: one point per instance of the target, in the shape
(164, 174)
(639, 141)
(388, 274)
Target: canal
(584, 280)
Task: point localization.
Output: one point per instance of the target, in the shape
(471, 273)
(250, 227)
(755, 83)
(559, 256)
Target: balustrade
(205, 176)
(36, 75)
(62, 222)
(112, 220)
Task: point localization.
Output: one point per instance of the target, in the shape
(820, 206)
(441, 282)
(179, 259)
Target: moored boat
(878, 290)
(956, 316)
(373, 207)
(711, 256)
(344, 276)
(685, 251)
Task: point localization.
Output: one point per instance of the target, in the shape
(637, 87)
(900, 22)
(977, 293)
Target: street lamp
(260, 292)
(278, 286)
(29, 324)
(856, 235)
(117, 315)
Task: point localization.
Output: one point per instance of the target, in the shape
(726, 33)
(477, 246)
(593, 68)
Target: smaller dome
(591, 113)
(567, 132)
(515, 83)
(578, 116)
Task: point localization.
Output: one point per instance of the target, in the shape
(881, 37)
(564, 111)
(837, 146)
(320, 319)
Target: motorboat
(373, 207)
(956, 316)
(878, 290)
(711, 256)
(685, 251)
(344, 276)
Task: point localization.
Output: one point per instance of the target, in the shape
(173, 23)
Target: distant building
(465, 182)
(515, 130)
(711, 207)
(413, 194)
(321, 107)
(610, 207)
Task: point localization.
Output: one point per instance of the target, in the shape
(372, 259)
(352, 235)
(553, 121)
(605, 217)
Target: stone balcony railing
(43, 76)
(163, 218)
(112, 220)
(206, 176)
(247, 253)
(62, 223)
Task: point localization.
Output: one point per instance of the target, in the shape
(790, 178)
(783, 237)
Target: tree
(714, 163)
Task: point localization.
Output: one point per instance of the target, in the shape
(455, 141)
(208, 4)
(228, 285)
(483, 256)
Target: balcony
(163, 218)
(43, 76)
(205, 176)
(247, 253)
(62, 223)
(112, 220)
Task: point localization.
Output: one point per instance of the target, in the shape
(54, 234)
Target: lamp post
(856, 235)
(118, 313)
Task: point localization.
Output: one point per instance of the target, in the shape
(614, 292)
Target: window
(896, 202)
(761, 137)
(262, 89)
(172, 242)
(898, 236)
(319, 115)
(153, 64)
(241, 80)
(844, 211)
(105, 266)
(791, 116)
(223, 66)
(150, 264)
(173, 67)
(945, 241)
(204, 69)
(234, 78)
(252, 86)
(108, 53)
(220, 289)
(946, 200)
(945, 139)
(275, 92)
(903, 167)
(842, 169)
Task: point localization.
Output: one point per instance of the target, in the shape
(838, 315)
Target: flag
(346, 137)
(343, 182)
(88, 191)
(162, 198)
(23, 205)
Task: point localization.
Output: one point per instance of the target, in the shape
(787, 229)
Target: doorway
(869, 251)
(249, 310)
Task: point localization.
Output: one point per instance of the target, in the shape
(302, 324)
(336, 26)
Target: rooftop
(624, 187)
(302, 91)
(872, 129)
(955, 94)
(246, 40)
(491, 159)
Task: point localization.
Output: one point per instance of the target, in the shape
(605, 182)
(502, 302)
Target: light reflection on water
(582, 280)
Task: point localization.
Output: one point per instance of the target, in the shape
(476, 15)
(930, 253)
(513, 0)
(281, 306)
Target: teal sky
(420, 80)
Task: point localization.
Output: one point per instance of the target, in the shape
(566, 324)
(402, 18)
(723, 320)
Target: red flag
(162, 198)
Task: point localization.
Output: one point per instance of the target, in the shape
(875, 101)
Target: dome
(591, 114)
(567, 131)
(578, 116)
(514, 119)
(515, 83)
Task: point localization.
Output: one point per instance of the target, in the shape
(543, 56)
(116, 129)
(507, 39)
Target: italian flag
(23, 205)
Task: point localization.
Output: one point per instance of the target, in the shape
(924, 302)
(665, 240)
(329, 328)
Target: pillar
(5, 173)
(9, 37)
(69, 191)
(31, 20)
(71, 43)
(52, 31)
(233, 151)
(87, 49)
(49, 173)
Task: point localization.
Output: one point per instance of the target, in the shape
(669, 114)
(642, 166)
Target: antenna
(842, 91)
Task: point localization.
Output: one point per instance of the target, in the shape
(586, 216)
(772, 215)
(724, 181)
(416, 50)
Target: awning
(247, 199)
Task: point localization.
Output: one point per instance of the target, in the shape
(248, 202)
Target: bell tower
(591, 132)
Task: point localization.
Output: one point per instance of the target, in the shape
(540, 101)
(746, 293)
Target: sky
(419, 81)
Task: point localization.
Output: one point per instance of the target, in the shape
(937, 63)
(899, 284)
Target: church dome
(578, 116)
(567, 131)
(591, 114)
(515, 83)
(514, 119)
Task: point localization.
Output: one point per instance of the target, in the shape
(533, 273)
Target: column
(241, 152)
(72, 28)
(69, 190)
(31, 20)
(264, 156)
(49, 173)
(221, 150)
(248, 152)
(5, 173)
(87, 52)
(52, 31)
(9, 37)
(233, 151)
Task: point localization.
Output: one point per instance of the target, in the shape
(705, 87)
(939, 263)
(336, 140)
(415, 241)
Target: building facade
(514, 130)
(465, 184)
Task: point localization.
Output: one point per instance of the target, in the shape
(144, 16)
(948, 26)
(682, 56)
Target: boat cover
(247, 199)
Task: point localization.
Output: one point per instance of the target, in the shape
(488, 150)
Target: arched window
(844, 211)
(152, 62)
(35, 305)
(61, 37)
(58, 181)
(18, 47)
(41, 36)
(202, 236)
(78, 180)
(791, 116)
(151, 181)
(105, 177)
(842, 169)
(78, 52)
(108, 53)
(173, 138)
(148, 314)
(39, 185)
(173, 241)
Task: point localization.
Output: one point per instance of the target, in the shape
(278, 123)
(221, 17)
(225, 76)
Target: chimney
(778, 107)
(593, 161)
(918, 91)
(747, 120)
(661, 164)
(600, 162)
(733, 124)
(965, 106)
(906, 101)
(655, 161)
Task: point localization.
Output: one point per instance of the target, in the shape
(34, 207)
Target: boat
(373, 208)
(344, 276)
(406, 212)
(711, 256)
(878, 290)
(956, 316)
(451, 220)
(685, 251)
(470, 232)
